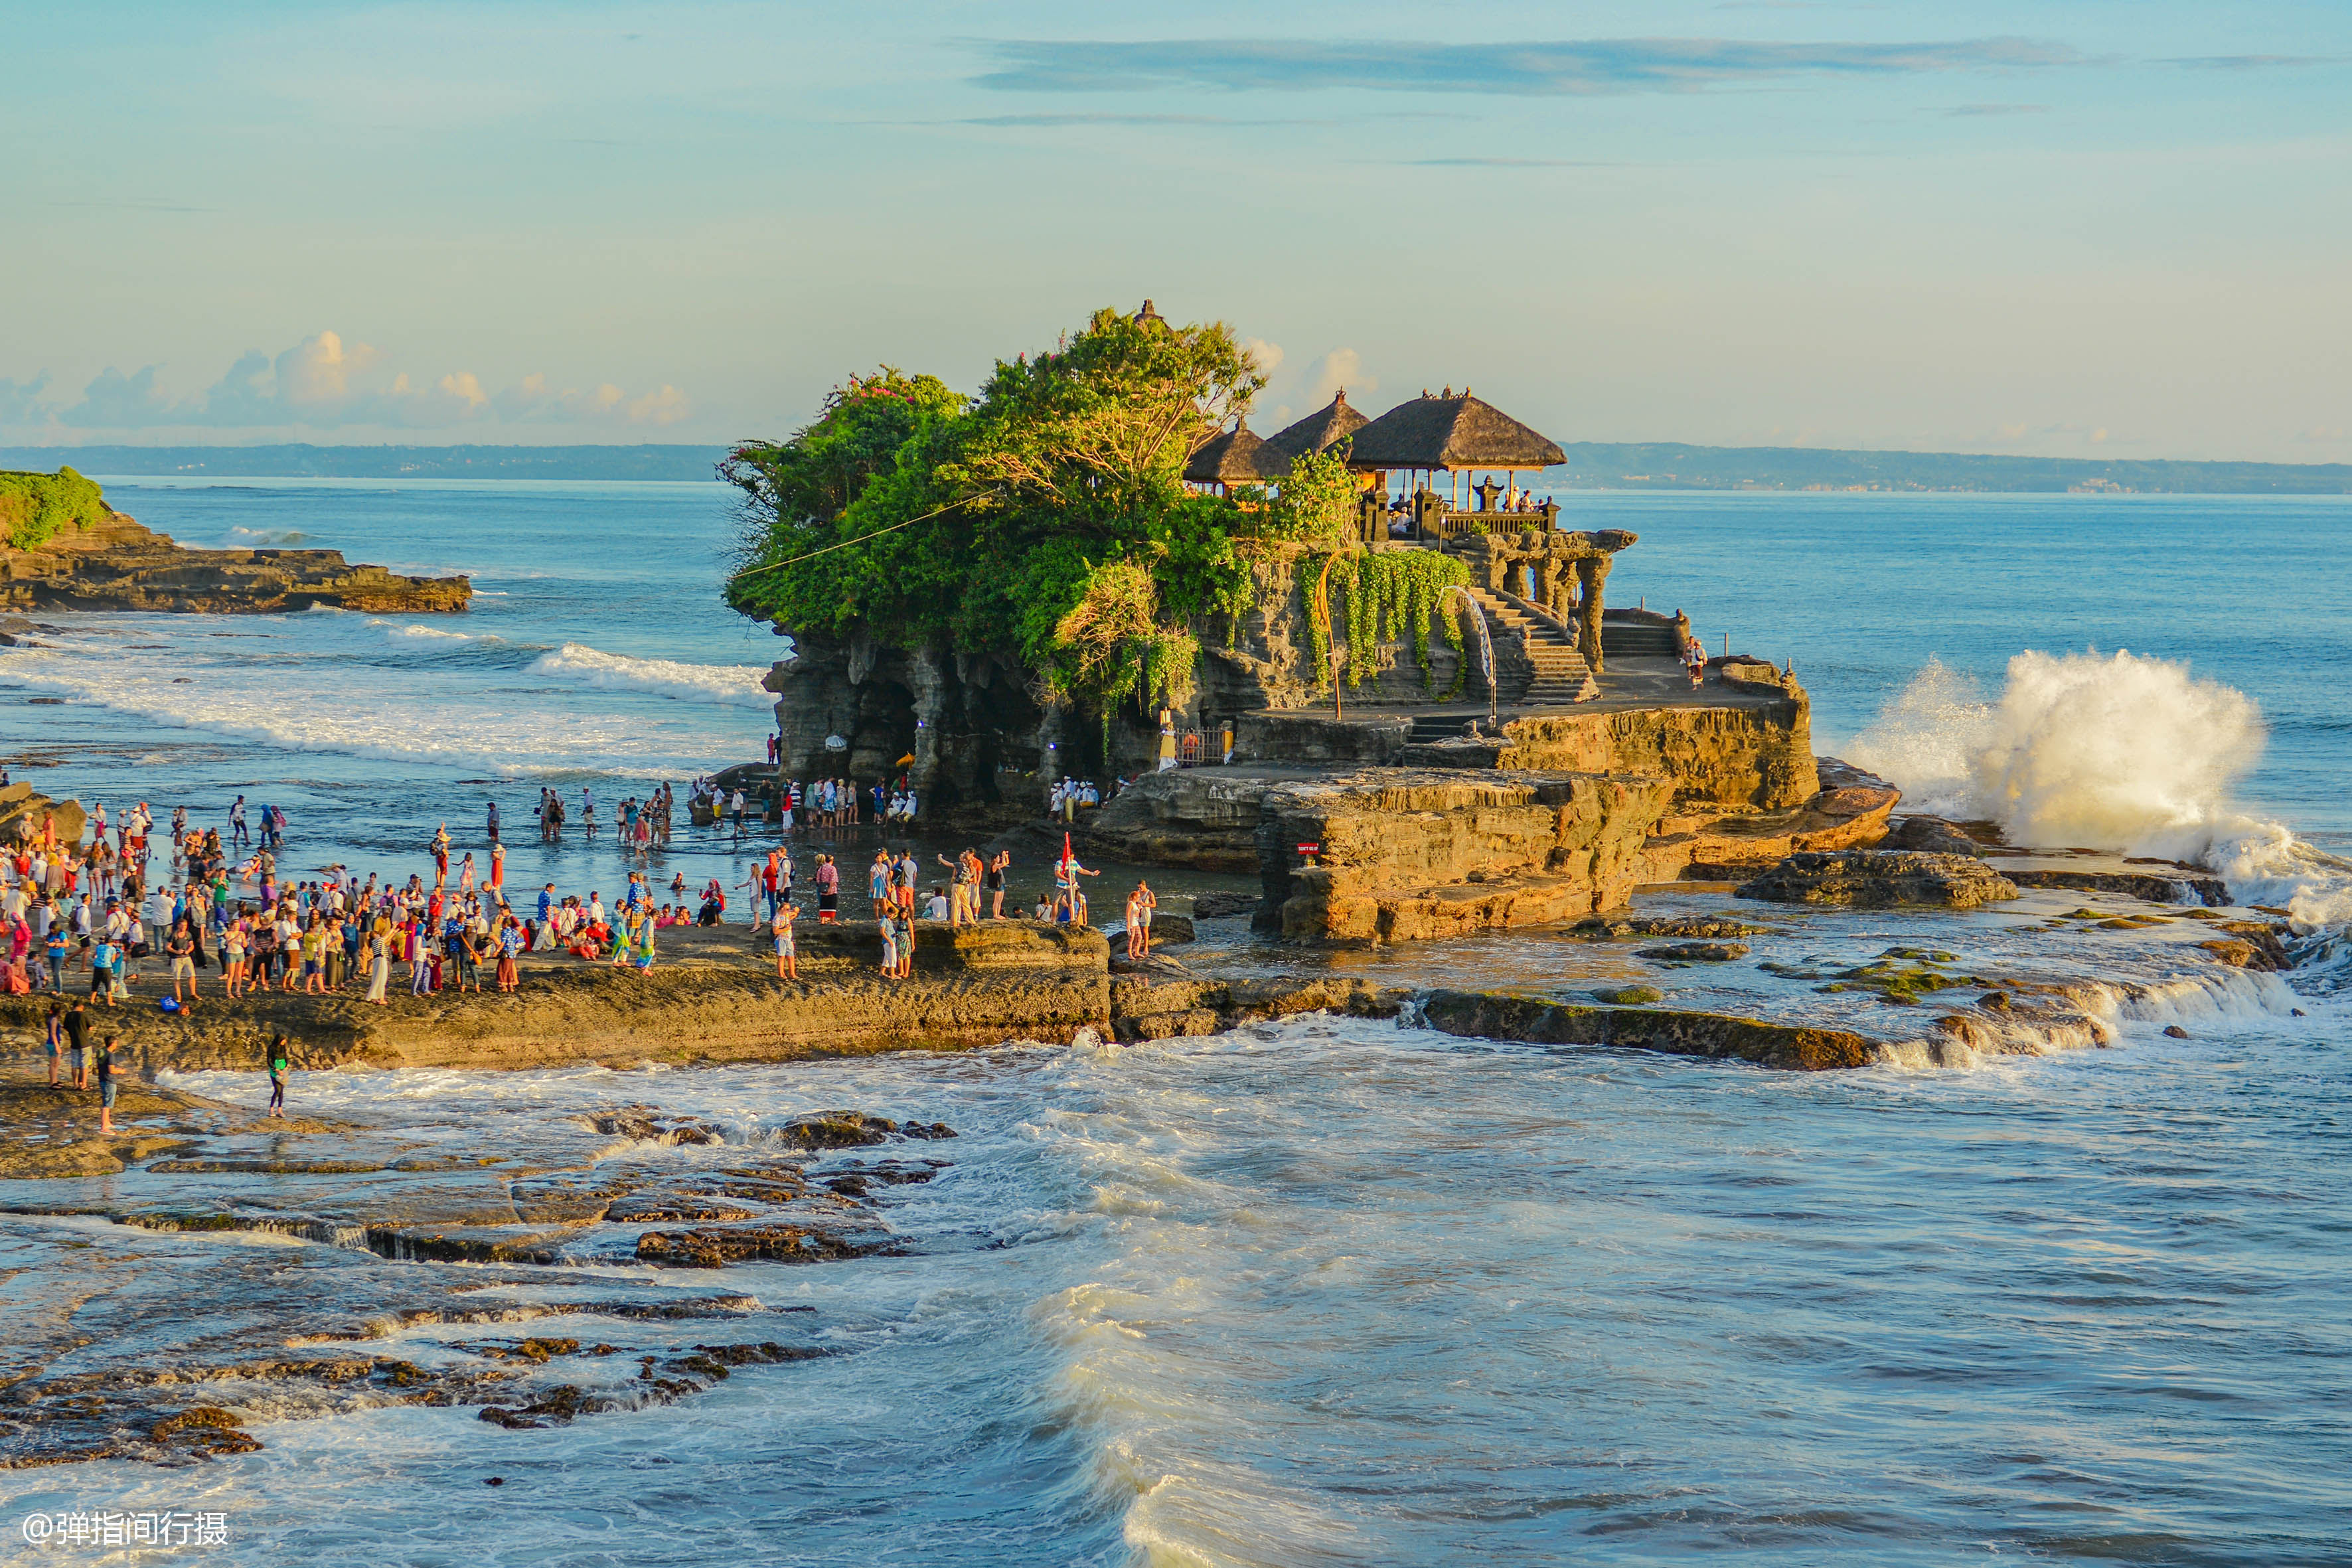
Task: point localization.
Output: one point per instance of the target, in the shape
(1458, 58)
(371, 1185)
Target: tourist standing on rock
(280, 1063)
(379, 955)
(53, 1038)
(1139, 905)
(106, 1086)
(828, 891)
(996, 869)
(77, 1028)
(510, 949)
(878, 879)
(441, 856)
(181, 950)
(494, 822)
(788, 961)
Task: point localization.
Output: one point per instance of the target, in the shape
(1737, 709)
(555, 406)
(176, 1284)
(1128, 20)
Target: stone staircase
(1558, 670)
(1432, 727)
(1637, 634)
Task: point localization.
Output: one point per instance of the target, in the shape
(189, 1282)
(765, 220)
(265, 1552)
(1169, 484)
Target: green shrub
(36, 508)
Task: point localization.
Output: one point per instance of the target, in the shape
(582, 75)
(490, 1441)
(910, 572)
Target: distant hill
(308, 462)
(1592, 465)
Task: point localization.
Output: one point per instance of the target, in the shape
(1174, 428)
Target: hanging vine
(1390, 594)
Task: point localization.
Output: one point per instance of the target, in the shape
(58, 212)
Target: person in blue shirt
(102, 959)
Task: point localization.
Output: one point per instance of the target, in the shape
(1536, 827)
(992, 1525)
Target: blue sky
(2079, 229)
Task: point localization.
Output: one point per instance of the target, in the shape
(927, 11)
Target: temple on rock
(1434, 688)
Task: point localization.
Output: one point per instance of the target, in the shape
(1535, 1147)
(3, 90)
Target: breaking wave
(2118, 752)
(263, 538)
(732, 683)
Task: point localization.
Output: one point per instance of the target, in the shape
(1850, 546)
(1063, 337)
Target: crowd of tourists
(190, 900)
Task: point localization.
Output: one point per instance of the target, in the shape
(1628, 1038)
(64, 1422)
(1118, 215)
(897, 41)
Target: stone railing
(1449, 524)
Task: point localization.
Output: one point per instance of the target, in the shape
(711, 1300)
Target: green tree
(1048, 514)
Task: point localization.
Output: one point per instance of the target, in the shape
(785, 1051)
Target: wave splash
(737, 684)
(2120, 752)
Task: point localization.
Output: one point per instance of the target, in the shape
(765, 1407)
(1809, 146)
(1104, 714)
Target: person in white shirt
(938, 908)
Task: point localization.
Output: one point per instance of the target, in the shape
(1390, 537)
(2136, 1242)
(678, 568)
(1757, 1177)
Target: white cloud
(324, 382)
(1268, 355)
(666, 406)
(1342, 369)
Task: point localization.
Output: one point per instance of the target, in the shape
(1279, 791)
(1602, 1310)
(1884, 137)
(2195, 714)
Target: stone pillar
(1547, 583)
(1590, 573)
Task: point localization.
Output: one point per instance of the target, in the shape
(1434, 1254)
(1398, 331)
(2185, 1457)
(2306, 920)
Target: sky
(2078, 230)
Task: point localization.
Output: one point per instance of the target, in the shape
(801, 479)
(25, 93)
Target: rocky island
(65, 549)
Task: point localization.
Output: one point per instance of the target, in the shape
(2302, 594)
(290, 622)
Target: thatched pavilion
(1334, 421)
(1233, 457)
(1460, 437)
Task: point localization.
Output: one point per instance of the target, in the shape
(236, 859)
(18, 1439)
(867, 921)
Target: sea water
(1338, 1291)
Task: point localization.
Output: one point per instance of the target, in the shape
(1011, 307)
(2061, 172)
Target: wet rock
(1834, 774)
(1932, 835)
(644, 1124)
(671, 1208)
(471, 1244)
(1695, 953)
(897, 1173)
(1216, 906)
(1165, 927)
(839, 1129)
(715, 1247)
(1880, 879)
(1716, 1035)
(2188, 887)
(1604, 928)
(1629, 995)
(2175, 1032)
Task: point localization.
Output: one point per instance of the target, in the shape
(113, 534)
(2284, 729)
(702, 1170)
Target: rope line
(810, 555)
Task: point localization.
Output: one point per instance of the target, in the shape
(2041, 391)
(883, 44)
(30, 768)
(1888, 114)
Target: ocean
(1339, 1291)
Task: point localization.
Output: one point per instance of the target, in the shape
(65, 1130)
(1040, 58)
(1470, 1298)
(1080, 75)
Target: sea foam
(2120, 752)
(732, 683)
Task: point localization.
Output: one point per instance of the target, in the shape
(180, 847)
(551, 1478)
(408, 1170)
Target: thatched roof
(1334, 421)
(1232, 457)
(1450, 432)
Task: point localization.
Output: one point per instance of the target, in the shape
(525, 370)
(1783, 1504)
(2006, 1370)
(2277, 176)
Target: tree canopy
(1047, 515)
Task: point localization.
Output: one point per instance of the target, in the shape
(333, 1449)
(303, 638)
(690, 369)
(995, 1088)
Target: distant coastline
(303, 461)
(1592, 465)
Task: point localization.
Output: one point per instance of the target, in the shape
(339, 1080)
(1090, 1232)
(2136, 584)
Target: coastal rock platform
(118, 564)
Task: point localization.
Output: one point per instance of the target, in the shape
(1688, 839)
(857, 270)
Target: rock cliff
(1405, 854)
(118, 565)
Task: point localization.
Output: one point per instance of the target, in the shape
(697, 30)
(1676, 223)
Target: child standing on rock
(280, 1066)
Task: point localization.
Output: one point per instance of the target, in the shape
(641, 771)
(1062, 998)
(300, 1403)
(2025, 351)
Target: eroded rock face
(1880, 879)
(120, 565)
(1205, 820)
(25, 814)
(1757, 754)
(1405, 855)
